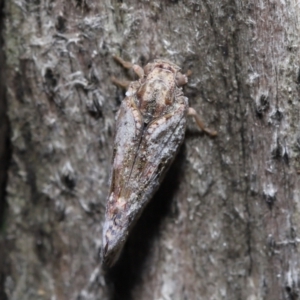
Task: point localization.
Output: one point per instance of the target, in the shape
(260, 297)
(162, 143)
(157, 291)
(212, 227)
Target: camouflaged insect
(150, 128)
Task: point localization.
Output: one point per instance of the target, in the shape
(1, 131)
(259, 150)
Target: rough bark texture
(225, 222)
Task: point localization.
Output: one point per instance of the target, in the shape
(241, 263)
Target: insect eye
(148, 68)
(181, 79)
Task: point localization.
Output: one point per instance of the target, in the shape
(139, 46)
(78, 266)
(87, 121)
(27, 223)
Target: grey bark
(225, 222)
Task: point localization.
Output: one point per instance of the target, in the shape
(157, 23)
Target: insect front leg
(124, 84)
(128, 65)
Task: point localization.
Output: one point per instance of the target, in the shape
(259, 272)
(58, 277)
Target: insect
(150, 127)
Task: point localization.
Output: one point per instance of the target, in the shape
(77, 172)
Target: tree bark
(225, 221)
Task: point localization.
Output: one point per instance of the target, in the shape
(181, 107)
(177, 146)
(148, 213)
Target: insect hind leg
(193, 113)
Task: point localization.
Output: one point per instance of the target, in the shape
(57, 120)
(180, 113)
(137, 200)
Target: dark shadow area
(125, 275)
(194, 133)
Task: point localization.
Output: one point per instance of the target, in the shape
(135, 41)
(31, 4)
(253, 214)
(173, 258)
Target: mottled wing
(159, 145)
(127, 140)
(140, 161)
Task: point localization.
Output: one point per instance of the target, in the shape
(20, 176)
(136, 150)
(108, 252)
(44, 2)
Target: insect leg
(124, 84)
(128, 65)
(193, 113)
(125, 64)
